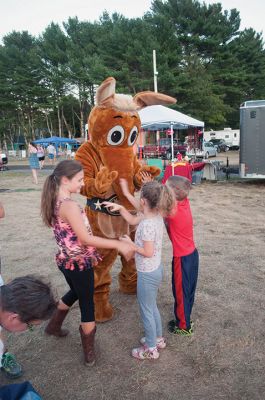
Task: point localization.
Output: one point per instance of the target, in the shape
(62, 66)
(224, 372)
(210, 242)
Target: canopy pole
(172, 147)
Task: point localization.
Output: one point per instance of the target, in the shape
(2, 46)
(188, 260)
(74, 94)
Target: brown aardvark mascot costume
(113, 126)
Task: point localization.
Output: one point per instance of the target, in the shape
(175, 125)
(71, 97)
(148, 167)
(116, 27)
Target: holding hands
(127, 239)
(127, 249)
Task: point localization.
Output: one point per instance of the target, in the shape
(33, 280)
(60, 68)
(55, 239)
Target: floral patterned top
(149, 229)
(72, 254)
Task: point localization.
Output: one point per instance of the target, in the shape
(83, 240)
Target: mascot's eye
(133, 136)
(115, 135)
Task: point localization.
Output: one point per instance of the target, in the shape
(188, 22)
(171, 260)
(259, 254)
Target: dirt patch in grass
(224, 359)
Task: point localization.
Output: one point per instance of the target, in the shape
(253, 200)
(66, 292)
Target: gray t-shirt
(149, 230)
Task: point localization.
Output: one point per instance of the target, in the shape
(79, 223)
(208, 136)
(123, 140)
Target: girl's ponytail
(159, 196)
(167, 201)
(48, 199)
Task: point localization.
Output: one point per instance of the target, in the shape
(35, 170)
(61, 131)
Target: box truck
(252, 139)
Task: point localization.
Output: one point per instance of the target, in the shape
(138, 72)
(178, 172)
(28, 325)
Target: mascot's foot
(128, 290)
(103, 311)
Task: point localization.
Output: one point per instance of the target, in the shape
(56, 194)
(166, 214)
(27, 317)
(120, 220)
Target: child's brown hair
(180, 185)
(159, 197)
(28, 296)
(67, 168)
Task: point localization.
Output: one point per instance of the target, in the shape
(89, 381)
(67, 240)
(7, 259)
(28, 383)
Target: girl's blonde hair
(67, 168)
(159, 197)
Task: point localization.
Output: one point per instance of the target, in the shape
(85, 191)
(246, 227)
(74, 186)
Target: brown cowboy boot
(88, 346)
(54, 326)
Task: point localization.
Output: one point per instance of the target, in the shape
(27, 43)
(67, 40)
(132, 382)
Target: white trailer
(230, 136)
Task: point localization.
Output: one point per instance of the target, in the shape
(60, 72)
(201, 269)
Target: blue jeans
(147, 288)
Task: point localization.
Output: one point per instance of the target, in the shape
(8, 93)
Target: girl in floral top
(76, 250)
(156, 201)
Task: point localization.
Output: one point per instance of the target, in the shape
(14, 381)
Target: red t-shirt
(180, 229)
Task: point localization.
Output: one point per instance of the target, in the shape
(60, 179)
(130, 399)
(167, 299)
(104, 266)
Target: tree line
(47, 83)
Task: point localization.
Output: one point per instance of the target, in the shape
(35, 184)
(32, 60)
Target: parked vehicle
(230, 136)
(3, 161)
(208, 150)
(163, 149)
(220, 145)
(252, 139)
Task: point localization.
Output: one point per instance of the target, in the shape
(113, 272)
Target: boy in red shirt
(185, 263)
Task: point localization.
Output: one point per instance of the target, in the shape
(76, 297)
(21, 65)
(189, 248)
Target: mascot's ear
(144, 99)
(105, 92)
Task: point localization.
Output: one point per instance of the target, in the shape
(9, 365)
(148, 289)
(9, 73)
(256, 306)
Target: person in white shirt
(51, 150)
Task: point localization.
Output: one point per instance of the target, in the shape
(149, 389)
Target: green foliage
(48, 83)
(219, 67)
(21, 89)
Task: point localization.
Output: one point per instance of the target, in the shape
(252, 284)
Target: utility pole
(155, 71)
(155, 89)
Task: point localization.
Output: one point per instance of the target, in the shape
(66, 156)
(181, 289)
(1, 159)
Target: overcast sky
(35, 15)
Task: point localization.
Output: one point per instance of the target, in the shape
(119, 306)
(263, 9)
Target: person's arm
(131, 219)
(146, 251)
(2, 210)
(128, 195)
(70, 212)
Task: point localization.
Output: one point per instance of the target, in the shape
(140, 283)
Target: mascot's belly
(106, 223)
(112, 227)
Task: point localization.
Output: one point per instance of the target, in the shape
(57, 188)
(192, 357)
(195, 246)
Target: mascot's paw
(103, 311)
(146, 169)
(104, 179)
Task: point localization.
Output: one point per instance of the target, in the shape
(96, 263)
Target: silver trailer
(252, 139)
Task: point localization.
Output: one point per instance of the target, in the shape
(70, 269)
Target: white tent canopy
(160, 117)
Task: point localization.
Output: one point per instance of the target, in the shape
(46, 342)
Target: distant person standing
(51, 150)
(1, 162)
(33, 161)
(68, 151)
(41, 155)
